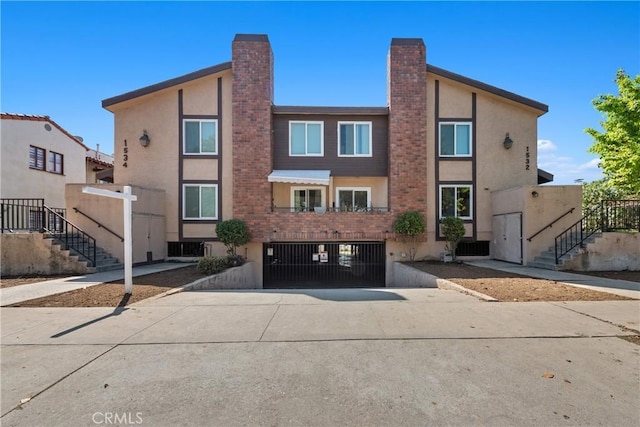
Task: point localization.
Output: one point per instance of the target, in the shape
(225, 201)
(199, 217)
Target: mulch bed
(112, 294)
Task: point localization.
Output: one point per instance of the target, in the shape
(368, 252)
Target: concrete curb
(449, 285)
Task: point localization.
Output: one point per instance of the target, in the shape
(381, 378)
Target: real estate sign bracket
(127, 198)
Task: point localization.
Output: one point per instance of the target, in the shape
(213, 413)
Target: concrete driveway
(322, 358)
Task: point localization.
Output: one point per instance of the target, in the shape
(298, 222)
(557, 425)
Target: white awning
(320, 177)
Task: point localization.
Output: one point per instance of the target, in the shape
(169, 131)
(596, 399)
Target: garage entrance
(324, 265)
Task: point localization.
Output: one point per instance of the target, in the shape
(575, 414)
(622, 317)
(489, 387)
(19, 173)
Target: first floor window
(36, 158)
(55, 162)
(354, 139)
(306, 139)
(455, 200)
(455, 139)
(354, 199)
(200, 201)
(200, 137)
(306, 199)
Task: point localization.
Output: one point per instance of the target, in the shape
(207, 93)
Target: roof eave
(165, 84)
(488, 88)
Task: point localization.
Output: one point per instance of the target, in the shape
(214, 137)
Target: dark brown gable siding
(377, 165)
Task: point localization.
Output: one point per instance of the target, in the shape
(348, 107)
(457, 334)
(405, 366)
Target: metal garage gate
(324, 265)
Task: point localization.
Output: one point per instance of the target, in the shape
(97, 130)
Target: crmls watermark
(117, 418)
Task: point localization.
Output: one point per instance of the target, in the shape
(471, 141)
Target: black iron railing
(610, 215)
(321, 210)
(99, 224)
(33, 215)
(70, 236)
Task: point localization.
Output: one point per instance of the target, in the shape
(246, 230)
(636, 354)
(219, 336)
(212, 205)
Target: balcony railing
(322, 210)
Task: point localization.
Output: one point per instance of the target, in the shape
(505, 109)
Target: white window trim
(184, 202)
(354, 148)
(455, 144)
(184, 137)
(339, 189)
(305, 122)
(456, 186)
(323, 195)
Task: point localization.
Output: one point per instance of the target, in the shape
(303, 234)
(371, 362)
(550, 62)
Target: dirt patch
(503, 286)
(631, 338)
(112, 294)
(509, 287)
(7, 282)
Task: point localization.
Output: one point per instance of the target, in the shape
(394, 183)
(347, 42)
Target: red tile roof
(34, 118)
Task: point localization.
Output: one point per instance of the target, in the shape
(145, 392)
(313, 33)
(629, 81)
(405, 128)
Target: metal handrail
(607, 216)
(551, 223)
(71, 235)
(319, 210)
(100, 225)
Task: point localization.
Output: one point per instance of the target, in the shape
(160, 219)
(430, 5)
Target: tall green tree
(595, 192)
(619, 143)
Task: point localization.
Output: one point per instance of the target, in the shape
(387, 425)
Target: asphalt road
(322, 358)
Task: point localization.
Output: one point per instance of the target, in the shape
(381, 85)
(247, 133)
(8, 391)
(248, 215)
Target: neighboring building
(39, 158)
(320, 187)
(99, 167)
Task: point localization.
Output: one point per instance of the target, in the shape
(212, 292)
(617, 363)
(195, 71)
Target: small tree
(618, 145)
(409, 225)
(233, 233)
(453, 230)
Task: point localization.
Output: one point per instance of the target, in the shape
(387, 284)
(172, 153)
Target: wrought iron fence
(610, 215)
(33, 215)
(322, 210)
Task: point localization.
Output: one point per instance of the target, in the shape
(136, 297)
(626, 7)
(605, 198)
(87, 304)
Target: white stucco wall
(19, 181)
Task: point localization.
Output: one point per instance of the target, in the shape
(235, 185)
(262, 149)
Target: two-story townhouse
(320, 187)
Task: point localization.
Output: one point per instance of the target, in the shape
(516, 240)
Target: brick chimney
(252, 95)
(407, 99)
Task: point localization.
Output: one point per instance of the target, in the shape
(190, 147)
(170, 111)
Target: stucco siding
(19, 181)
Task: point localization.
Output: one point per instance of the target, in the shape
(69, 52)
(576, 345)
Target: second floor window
(201, 137)
(200, 201)
(306, 199)
(55, 162)
(354, 139)
(36, 158)
(353, 199)
(306, 139)
(455, 139)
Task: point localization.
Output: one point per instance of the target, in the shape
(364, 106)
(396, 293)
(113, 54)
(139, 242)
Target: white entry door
(507, 237)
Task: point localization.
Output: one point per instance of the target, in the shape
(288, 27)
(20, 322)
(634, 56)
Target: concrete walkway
(618, 287)
(21, 293)
(330, 357)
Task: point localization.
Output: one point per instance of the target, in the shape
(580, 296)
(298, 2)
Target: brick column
(252, 95)
(407, 99)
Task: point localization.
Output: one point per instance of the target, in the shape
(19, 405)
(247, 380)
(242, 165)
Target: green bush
(233, 233)
(453, 230)
(210, 265)
(409, 226)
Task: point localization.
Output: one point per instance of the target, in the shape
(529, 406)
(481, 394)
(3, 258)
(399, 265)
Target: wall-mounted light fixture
(534, 193)
(508, 142)
(144, 139)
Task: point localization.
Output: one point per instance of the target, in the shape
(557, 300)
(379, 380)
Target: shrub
(453, 230)
(210, 265)
(409, 226)
(232, 233)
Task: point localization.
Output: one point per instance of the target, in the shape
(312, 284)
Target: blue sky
(63, 58)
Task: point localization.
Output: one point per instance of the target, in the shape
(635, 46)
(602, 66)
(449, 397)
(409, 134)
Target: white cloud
(566, 170)
(545, 145)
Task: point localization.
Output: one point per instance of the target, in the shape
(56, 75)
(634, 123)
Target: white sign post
(127, 198)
